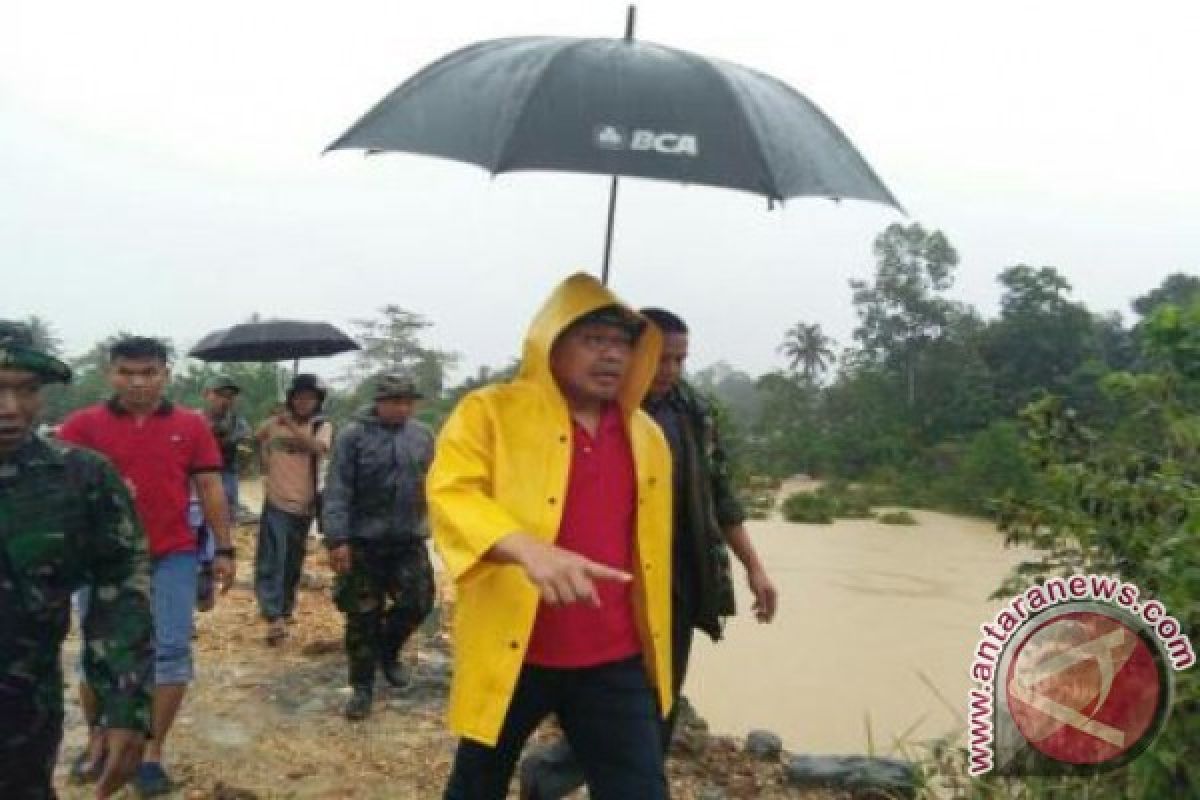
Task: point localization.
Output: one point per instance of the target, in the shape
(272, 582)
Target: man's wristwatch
(225, 552)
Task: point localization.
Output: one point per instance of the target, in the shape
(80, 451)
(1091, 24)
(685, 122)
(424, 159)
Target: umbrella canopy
(273, 340)
(618, 107)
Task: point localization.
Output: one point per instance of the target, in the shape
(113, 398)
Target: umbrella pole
(608, 236)
(630, 24)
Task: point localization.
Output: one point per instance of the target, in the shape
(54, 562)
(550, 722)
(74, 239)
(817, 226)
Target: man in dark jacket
(709, 520)
(374, 525)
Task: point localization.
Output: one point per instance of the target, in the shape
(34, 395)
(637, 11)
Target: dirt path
(266, 722)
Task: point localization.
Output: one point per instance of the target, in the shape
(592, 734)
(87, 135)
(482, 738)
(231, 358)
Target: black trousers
(28, 750)
(682, 635)
(609, 715)
(555, 771)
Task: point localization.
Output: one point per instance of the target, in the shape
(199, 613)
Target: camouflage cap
(17, 351)
(396, 386)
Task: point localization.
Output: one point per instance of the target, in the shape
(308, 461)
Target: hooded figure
(502, 475)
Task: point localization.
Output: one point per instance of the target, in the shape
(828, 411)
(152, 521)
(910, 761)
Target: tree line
(926, 396)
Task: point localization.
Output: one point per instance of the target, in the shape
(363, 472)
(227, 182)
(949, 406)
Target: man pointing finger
(550, 498)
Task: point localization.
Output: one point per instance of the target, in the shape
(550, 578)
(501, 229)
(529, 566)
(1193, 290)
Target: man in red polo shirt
(161, 451)
(551, 500)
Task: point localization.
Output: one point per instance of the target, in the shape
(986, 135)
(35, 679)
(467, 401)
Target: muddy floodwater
(875, 623)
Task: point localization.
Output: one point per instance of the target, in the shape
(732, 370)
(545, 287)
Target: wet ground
(263, 722)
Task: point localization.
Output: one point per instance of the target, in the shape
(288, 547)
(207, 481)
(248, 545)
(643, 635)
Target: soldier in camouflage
(66, 521)
(374, 526)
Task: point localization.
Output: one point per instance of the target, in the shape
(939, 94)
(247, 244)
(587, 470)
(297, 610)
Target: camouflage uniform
(374, 500)
(385, 597)
(705, 505)
(67, 521)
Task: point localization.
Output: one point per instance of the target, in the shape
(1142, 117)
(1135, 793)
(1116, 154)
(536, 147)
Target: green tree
(1178, 289)
(1040, 339)
(903, 310)
(44, 335)
(865, 420)
(1125, 500)
(806, 347)
(958, 386)
(391, 343)
(786, 437)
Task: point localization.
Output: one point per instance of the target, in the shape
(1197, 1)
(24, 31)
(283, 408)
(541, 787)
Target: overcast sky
(160, 166)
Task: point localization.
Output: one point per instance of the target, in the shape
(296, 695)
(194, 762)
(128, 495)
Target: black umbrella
(618, 107)
(273, 340)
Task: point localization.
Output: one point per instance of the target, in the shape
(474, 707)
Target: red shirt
(598, 523)
(156, 455)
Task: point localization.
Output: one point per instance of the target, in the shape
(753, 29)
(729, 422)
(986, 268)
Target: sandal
(151, 779)
(84, 770)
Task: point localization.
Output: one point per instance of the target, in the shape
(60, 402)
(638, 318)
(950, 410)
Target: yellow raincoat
(501, 466)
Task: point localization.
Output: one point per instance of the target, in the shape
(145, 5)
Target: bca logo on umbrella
(617, 137)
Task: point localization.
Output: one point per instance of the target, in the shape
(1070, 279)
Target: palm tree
(806, 347)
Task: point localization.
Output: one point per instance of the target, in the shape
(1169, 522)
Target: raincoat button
(551, 500)
(515, 644)
(562, 437)
(652, 480)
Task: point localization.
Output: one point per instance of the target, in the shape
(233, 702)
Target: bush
(965, 477)
(849, 502)
(901, 517)
(808, 507)
(1122, 500)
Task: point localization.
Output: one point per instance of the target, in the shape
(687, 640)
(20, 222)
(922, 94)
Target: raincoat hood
(503, 466)
(578, 295)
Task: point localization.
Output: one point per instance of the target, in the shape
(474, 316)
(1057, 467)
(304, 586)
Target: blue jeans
(174, 609)
(174, 582)
(609, 715)
(279, 560)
